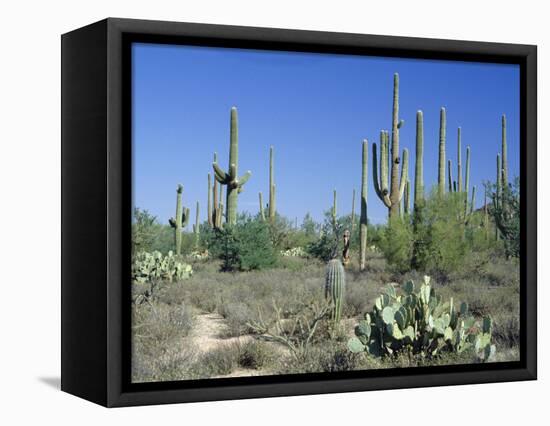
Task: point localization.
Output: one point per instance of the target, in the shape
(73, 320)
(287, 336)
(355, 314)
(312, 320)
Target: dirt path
(208, 331)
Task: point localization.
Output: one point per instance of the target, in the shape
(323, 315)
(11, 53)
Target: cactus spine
(181, 220)
(392, 199)
(262, 213)
(271, 186)
(335, 282)
(363, 217)
(419, 166)
(442, 135)
(230, 178)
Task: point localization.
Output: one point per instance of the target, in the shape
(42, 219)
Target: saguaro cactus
(334, 212)
(442, 137)
(419, 165)
(459, 160)
(262, 213)
(363, 217)
(345, 251)
(407, 197)
(391, 199)
(450, 171)
(215, 198)
(196, 227)
(335, 283)
(181, 220)
(353, 210)
(504, 182)
(209, 202)
(272, 205)
(234, 184)
(498, 192)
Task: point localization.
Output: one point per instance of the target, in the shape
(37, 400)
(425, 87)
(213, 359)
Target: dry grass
(164, 346)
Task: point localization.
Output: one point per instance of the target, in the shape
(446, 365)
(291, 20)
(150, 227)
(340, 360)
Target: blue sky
(315, 109)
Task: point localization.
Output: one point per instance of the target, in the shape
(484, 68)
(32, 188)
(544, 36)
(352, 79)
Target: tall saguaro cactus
(334, 212)
(262, 213)
(407, 198)
(363, 217)
(504, 155)
(419, 165)
(209, 202)
(442, 137)
(391, 199)
(272, 205)
(230, 178)
(459, 159)
(498, 191)
(196, 227)
(215, 197)
(181, 220)
(353, 210)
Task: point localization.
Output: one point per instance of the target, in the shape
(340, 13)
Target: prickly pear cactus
(335, 283)
(419, 322)
(154, 267)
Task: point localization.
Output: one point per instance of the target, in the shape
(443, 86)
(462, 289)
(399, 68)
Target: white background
(30, 210)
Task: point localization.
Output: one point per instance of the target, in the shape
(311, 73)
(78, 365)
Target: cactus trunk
(181, 220)
(334, 212)
(353, 211)
(392, 198)
(442, 135)
(230, 178)
(504, 183)
(209, 201)
(215, 198)
(459, 159)
(450, 171)
(419, 166)
(272, 204)
(196, 228)
(363, 217)
(262, 213)
(406, 198)
(498, 191)
(335, 282)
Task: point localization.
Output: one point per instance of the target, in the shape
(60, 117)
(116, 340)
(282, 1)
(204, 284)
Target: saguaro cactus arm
(381, 185)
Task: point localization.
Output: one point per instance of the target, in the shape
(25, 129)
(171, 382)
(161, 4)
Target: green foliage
(506, 215)
(143, 230)
(419, 322)
(396, 242)
(329, 244)
(244, 246)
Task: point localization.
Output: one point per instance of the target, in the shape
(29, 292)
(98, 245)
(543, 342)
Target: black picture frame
(96, 205)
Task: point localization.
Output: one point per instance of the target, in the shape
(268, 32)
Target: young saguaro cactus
(391, 198)
(272, 205)
(442, 137)
(335, 284)
(262, 213)
(196, 227)
(363, 217)
(181, 220)
(230, 178)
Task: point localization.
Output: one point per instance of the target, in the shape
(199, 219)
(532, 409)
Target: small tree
(143, 230)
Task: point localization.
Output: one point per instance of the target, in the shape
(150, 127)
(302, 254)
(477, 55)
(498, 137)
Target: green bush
(396, 243)
(245, 246)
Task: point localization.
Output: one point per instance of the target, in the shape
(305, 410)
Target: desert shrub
(329, 245)
(237, 315)
(255, 354)
(217, 362)
(396, 244)
(245, 246)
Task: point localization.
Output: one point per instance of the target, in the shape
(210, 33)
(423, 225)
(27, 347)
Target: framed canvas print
(253, 212)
